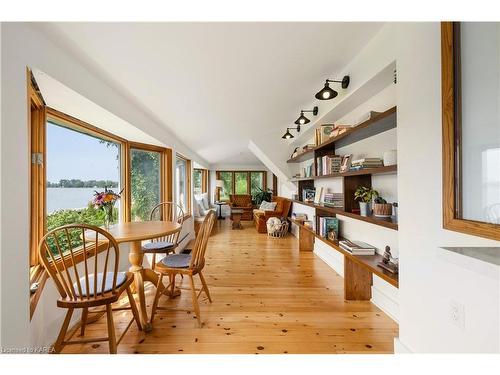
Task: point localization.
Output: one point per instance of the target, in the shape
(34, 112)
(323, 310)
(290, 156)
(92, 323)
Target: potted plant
(381, 208)
(262, 195)
(365, 195)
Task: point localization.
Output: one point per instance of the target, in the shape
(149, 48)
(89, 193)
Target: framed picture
(326, 131)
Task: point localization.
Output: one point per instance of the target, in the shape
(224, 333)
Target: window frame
(165, 176)
(233, 181)
(450, 91)
(204, 179)
(189, 176)
(38, 182)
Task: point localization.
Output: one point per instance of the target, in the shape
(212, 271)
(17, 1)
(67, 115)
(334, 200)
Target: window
(70, 160)
(227, 189)
(471, 131)
(182, 183)
(197, 181)
(241, 182)
(241, 179)
(257, 182)
(145, 182)
(78, 165)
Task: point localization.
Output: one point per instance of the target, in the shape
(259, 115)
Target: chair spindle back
(168, 211)
(200, 245)
(59, 250)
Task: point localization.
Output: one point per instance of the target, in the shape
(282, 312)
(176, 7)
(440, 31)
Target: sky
(75, 155)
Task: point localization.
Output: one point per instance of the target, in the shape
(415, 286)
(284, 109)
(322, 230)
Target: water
(67, 198)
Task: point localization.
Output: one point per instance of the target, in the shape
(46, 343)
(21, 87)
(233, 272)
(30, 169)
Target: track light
(302, 120)
(289, 135)
(327, 93)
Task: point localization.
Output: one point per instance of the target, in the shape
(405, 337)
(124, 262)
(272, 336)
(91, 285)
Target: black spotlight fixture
(289, 135)
(302, 120)
(327, 93)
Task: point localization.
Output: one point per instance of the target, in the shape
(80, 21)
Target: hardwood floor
(267, 299)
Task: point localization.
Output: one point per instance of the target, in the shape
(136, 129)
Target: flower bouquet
(105, 200)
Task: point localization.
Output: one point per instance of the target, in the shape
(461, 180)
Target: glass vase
(108, 216)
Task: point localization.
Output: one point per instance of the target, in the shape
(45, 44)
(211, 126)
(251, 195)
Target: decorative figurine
(388, 262)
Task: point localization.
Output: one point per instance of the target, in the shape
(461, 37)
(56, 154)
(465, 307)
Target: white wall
(22, 46)
(431, 278)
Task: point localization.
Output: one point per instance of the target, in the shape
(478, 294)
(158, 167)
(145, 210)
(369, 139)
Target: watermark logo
(28, 350)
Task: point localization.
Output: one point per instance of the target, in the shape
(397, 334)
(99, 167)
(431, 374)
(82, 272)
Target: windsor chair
(94, 281)
(186, 264)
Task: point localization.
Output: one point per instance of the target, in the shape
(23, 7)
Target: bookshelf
(377, 124)
(358, 270)
(390, 223)
(369, 262)
(367, 171)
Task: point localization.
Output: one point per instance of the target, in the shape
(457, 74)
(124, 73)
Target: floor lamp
(219, 184)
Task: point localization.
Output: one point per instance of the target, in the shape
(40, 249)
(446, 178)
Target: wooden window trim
(189, 175)
(451, 119)
(204, 179)
(165, 173)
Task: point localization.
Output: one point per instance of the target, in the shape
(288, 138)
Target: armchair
(242, 202)
(282, 209)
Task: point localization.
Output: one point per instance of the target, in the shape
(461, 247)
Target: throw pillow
(204, 198)
(267, 206)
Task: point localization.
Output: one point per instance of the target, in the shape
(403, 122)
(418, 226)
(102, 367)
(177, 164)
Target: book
(357, 247)
(333, 199)
(330, 228)
(317, 196)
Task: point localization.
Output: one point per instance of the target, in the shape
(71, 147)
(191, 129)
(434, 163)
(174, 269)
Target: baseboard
(385, 303)
(400, 348)
(334, 260)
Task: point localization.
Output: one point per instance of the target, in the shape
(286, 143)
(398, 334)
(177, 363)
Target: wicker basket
(382, 209)
(279, 231)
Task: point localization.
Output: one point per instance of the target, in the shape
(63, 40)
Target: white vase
(390, 157)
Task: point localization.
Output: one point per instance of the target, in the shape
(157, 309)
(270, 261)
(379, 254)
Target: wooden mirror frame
(451, 118)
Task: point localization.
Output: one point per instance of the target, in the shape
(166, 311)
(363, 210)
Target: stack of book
(357, 247)
(307, 171)
(329, 227)
(328, 165)
(334, 199)
(366, 163)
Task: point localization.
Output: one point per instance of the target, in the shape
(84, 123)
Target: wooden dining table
(135, 233)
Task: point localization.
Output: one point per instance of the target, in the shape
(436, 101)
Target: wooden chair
(165, 211)
(92, 283)
(243, 202)
(186, 264)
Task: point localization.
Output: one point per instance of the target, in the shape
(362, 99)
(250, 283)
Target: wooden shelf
(390, 223)
(309, 154)
(378, 124)
(369, 262)
(366, 171)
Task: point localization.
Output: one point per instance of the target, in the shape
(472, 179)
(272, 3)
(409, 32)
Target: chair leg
(133, 306)
(205, 287)
(153, 262)
(111, 330)
(172, 284)
(195, 300)
(85, 314)
(58, 345)
(157, 298)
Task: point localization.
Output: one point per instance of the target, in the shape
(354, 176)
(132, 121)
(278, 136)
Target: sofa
(282, 209)
(242, 202)
(202, 207)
